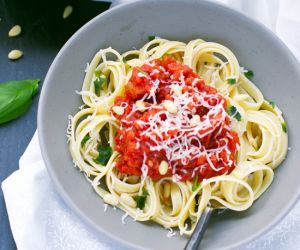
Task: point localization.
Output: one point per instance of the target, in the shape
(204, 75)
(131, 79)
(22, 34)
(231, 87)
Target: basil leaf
(15, 113)
(141, 199)
(150, 38)
(231, 81)
(249, 74)
(85, 139)
(284, 128)
(105, 153)
(98, 84)
(16, 98)
(195, 184)
(232, 111)
(124, 60)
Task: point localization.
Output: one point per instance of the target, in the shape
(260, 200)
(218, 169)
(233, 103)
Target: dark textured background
(44, 32)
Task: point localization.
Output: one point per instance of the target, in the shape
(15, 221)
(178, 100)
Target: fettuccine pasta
(172, 128)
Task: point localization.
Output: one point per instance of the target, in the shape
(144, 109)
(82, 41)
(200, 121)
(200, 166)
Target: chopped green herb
(272, 104)
(141, 199)
(238, 116)
(232, 111)
(284, 128)
(195, 184)
(105, 153)
(231, 81)
(150, 38)
(124, 60)
(85, 139)
(249, 74)
(98, 84)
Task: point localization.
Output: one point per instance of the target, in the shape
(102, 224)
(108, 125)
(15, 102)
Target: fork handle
(199, 231)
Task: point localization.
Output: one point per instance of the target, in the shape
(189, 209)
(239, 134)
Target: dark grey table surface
(44, 33)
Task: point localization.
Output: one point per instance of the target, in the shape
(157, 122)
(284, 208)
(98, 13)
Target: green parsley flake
(124, 60)
(105, 153)
(232, 111)
(284, 128)
(150, 38)
(249, 74)
(141, 199)
(195, 184)
(99, 83)
(231, 81)
(272, 104)
(85, 139)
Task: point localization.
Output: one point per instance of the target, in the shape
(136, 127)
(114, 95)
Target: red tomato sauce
(148, 136)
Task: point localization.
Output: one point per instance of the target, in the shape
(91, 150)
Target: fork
(196, 237)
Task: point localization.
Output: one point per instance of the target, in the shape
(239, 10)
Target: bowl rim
(46, 85)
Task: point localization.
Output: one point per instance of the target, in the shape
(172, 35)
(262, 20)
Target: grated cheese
(123, 218)
(105, 206)
(170, 233)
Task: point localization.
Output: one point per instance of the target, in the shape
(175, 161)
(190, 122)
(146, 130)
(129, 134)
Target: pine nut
(163, 168)
(67, 11)
(170, 106)
(15, 54)
(177, 90)
(140, 106)
(118, 110)
(15, 31)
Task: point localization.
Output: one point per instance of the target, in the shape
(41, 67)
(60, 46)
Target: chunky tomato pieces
(169, 114)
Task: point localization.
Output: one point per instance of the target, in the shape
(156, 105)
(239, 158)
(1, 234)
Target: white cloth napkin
(34, 208)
